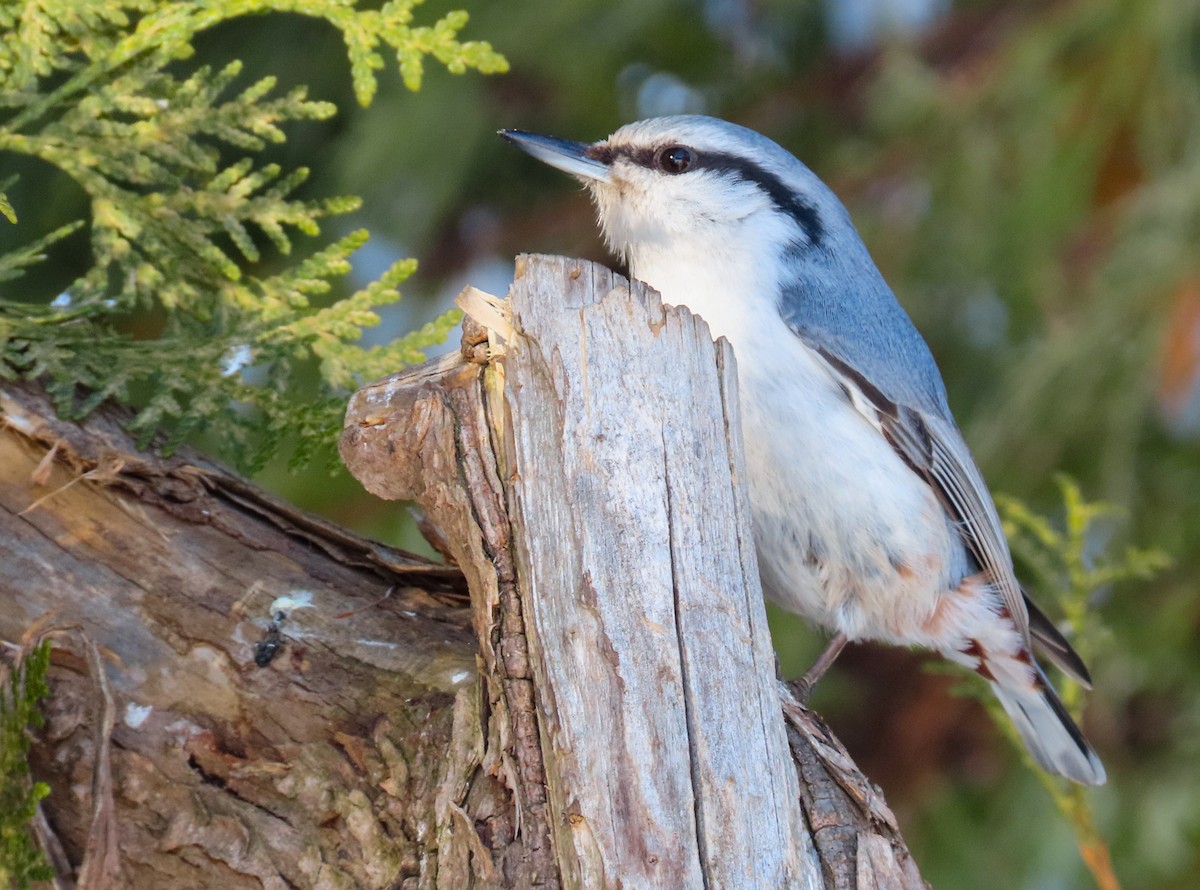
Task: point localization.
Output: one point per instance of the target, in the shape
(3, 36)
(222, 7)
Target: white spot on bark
(135, 714)
(290, 602)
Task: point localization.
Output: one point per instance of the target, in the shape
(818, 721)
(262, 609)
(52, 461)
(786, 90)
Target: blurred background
(1026, 174)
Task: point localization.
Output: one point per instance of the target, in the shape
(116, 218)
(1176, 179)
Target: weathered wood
(350, 760)
(589, 483)
(426, 435)
(643, 584)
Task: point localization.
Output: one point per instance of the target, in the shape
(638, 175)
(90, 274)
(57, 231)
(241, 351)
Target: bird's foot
(803, 687)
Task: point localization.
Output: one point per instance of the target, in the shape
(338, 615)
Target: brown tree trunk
(603, 713)
(332, 766)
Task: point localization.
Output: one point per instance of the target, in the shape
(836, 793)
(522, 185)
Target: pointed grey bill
(570, 157)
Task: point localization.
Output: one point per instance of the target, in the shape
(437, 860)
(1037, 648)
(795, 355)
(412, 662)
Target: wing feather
(954, 472)
(934, 448)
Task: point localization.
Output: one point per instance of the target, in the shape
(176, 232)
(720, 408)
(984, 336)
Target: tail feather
(1049, 733)
(1054, 645)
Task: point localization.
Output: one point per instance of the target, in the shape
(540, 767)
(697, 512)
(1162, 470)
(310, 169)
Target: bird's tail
(1048, 731)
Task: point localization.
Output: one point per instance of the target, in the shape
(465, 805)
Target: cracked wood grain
(648, 628)
(425, 435)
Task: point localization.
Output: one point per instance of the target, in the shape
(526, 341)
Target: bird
(870, 516)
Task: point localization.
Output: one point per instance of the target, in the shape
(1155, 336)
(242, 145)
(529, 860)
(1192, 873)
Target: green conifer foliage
(90, 88)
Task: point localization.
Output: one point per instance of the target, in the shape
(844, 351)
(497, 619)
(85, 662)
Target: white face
(659, 192)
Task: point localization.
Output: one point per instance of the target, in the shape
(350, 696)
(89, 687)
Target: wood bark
(588, 476)
(244, 695)
(174, 759)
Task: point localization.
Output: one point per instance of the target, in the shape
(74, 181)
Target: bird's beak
(570, 157)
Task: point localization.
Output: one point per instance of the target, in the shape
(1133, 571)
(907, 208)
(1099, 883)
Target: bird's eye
(675, 159)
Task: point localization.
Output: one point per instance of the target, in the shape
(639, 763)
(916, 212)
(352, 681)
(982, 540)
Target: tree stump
(585, 468)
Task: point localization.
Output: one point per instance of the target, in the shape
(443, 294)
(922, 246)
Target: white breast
(847, 534)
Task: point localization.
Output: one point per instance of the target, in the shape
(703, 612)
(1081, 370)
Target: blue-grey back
(833, 296)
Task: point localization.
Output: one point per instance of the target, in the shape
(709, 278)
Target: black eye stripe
(784, 199)
(606, 154)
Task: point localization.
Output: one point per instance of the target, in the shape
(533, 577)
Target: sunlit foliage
(179, 206)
